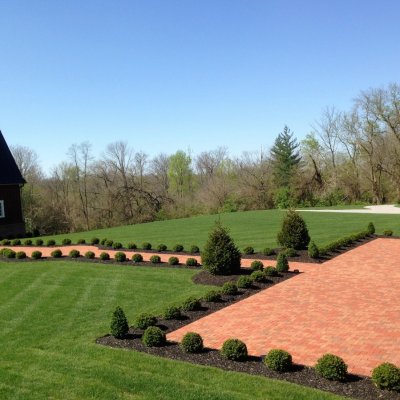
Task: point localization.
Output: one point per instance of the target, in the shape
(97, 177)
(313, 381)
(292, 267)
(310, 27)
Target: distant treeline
(348, 157)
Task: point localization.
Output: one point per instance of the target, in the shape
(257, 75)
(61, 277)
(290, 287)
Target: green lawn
(251, 228)
(51, 313)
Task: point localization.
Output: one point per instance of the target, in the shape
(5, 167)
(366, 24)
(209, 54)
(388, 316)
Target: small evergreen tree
(294, 232)
(119, 323)
(220, 255)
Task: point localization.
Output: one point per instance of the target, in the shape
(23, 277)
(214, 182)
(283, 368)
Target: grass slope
(251, 228)
(51, 313)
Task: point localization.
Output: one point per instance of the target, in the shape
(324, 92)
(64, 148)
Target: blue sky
(168, 75)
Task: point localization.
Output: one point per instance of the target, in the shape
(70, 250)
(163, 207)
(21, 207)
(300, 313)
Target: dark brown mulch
(357, 387)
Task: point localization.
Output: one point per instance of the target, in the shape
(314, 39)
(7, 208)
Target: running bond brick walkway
(349, 306)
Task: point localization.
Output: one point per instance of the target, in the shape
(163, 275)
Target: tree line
(348, 157)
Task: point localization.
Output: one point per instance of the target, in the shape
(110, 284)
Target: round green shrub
(229, 288)
(109, 243)
(6, 242)
(27, 242)
(132, 246)
(20, 255)
(220, 255)
(268, 252)
(290, 252)
(234, 349)
(137, 258)
(248, 250)
(257, 265)
(8, 253)
(331, 367)
(386, 376)
(57, 253)
(94, 240)
(16, 242)
(282, 264)
(90, 255)
(36, 255)
(388, 232)
(104, 256)
(173, 261)
(119, 323)
(244, 282)
(278, 360)
(258, 276)
(213, 296)
(66, 241)
(162, 247)
(313, 250)
(172, 312)
(117, 245)
(178, 248)
(191, 262)
(371, 228)
(51, 242)
(294, 232)
(146, 246)
(38, 242)
(120, 256)
(155, 259)
(194, 249)
(191, 304)
(192, 343)
(271, 271)
(74, 253)
(153, 336)
(81, 241)
(103, 241)
(145, 320)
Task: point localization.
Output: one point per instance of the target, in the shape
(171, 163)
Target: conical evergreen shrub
(220, 255)
(119, 323)
(294, 232)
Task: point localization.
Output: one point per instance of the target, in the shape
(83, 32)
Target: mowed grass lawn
(251, 228)
(52, 312)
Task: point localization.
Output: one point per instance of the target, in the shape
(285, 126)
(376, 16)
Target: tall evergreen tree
(285, 157)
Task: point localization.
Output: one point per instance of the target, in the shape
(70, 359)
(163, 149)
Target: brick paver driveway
(349, 306)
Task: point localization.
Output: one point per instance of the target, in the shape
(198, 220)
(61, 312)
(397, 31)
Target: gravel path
(382, 209)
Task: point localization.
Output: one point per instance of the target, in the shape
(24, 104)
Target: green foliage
(282, 264)
(258, 276)
(178, 248)
(57, 253)
(234, 349)
(268, 252)
(38, 242)
(313, 250)
(16, 242)
(108, 243)
(155, 259)
(386, 376)
(162, 247)
(8, 253)
(257, 265)
(271, 271)
(28, 242)
(104, 256)
(194, 249)
(81, 241)
(94, 241)
(66, 242)
(36, 255)
(117, 245)
(388, 232)
(50, 242)
(244, 282)
(191, 262)
(371, 228)
(212, 296)
(6, 242)
(220, 255)
(20, 255)
(343, 242)
(248, 250)
(278, 360)
(131, 246)
(153, 336)
(137, 258)
(103, 241)
(120, 256)
(290, 252)
(284, 198)
(229, 288)
(90, 255)
(331, 367)
(192, 343)
(191, 304)
(119, 324)
(146, 246)
(179, 173)
(144, 320)
(74, 253)
(294, 232)
(172, 312)
(173, 261)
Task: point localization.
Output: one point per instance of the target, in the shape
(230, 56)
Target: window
(2, 211)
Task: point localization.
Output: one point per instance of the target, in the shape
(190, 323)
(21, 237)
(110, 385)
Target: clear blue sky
(167, 75)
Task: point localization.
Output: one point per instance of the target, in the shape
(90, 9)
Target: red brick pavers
(349, 306)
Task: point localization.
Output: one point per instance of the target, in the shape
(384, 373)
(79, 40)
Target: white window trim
(2, 210)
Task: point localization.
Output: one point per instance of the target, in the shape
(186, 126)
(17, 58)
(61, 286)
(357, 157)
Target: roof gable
(9, 172)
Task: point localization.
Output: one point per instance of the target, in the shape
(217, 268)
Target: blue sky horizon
(170, 75)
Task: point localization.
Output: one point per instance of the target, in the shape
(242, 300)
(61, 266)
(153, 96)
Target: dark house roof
(9, 172)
